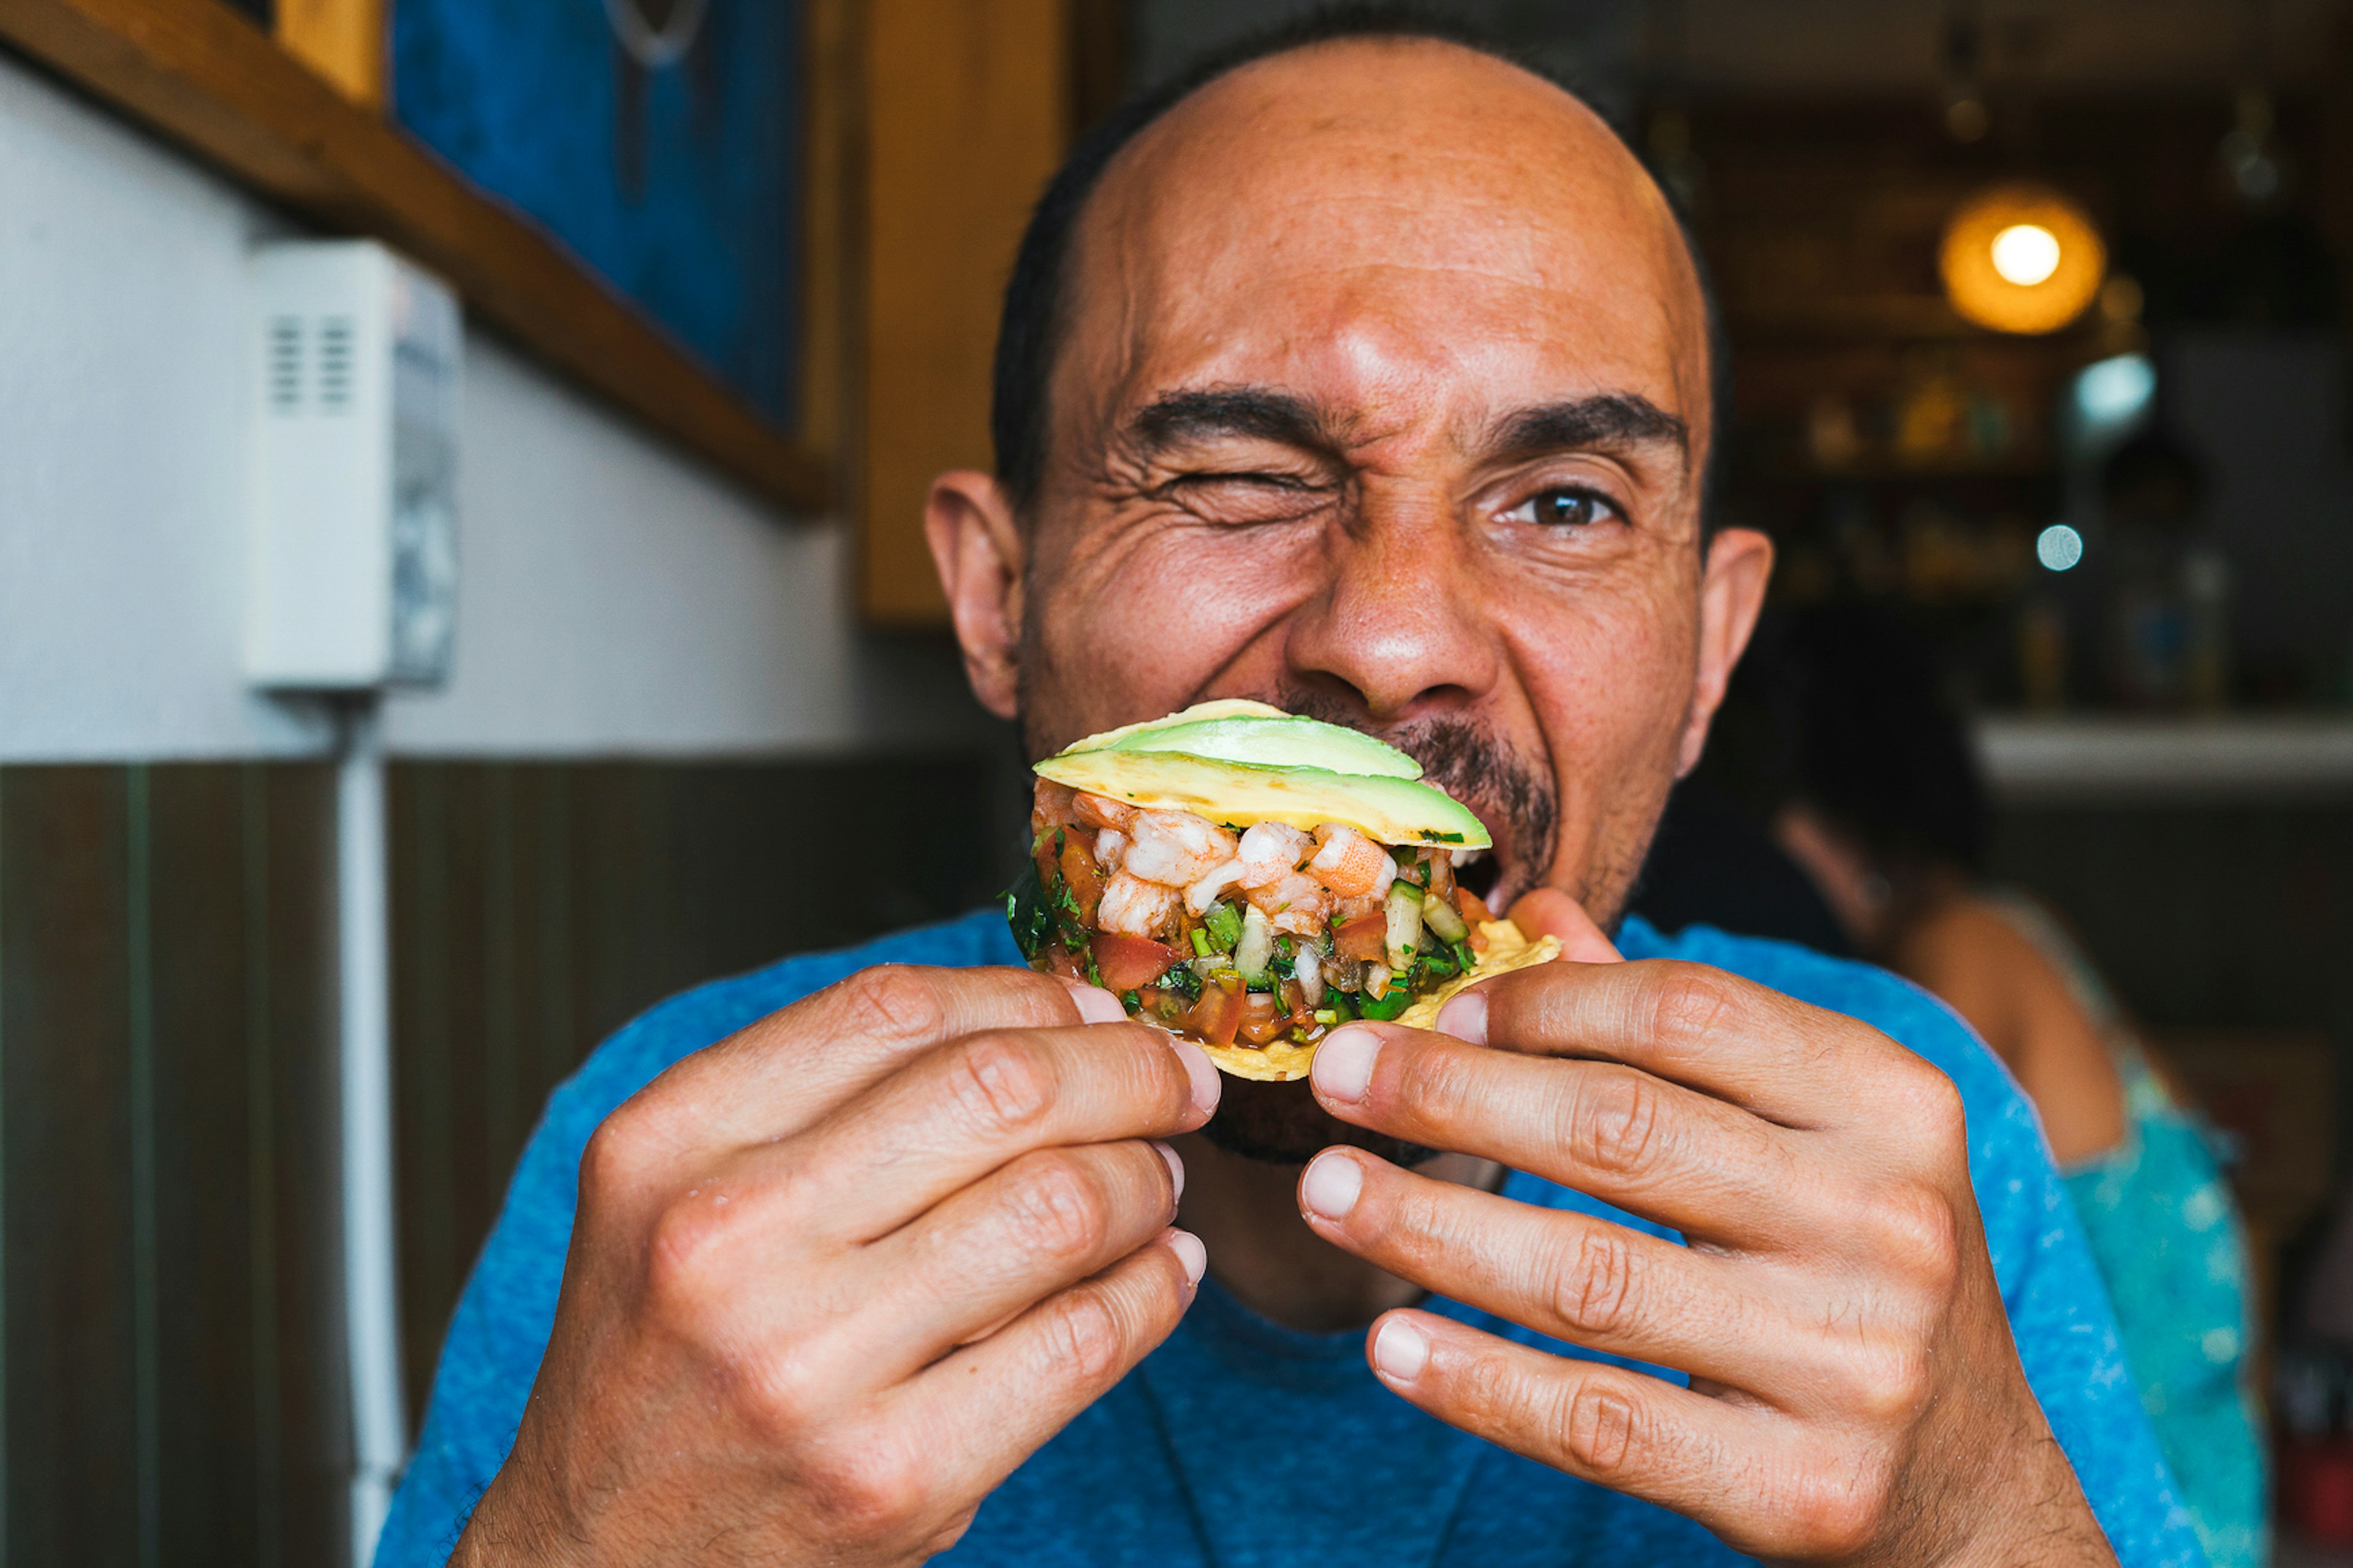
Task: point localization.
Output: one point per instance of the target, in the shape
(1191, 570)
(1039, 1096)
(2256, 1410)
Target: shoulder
(1888, 1002)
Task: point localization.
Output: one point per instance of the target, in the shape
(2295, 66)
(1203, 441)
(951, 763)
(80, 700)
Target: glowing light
(2021, 259)
(2115, 392)
(2026, 253)
(2059, 547)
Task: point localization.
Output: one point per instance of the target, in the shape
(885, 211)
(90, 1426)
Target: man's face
(1382, 397)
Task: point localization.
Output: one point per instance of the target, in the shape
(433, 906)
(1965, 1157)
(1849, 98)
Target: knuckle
(1593, 1289)
(685, 1261)
(870, 1486)
(1893, 1385)
(1059, 1207)
(610, 1161)
(1435, 1084)
(898, 1000)
(999, 1083)
(1617, 1123)
(781, 1392)
(1913, 1227)
(1599, 1430)
(1843, 1511)
(1686, 1004)
(1085, 1337)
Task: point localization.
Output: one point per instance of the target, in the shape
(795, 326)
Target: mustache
(1516, 799)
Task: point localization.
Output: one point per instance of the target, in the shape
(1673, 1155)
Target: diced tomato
(1474, 908)
(1079, 871)
(1130, 962)
(1365, 939)
(1216, 1016)
(1263, 1019)
(1062, 960)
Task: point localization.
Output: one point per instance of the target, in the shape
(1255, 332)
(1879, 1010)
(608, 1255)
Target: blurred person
(1366, 373)
(1882, 804)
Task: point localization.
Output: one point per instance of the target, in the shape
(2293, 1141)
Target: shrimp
(1175, 849)
(1133, 907)
(1102, 811)
(1110, 845)
(1350, 864)
(1207, 891)
(1272, 851)
(1295, 903)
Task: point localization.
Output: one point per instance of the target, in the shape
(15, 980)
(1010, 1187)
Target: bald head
(1391, 147)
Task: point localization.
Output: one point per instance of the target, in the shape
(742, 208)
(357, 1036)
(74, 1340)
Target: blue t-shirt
(1242, 1442)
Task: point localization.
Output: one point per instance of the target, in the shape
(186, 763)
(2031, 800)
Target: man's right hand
(832, 1279)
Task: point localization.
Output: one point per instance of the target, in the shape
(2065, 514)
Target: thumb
(1548, 911)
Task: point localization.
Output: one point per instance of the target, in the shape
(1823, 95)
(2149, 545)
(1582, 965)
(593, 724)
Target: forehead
(1390, 225)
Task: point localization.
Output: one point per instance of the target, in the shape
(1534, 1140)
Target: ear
(1731, 594)
(977, 546)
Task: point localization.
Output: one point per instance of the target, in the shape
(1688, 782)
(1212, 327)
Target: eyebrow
(1174, 418)
(1615, 420)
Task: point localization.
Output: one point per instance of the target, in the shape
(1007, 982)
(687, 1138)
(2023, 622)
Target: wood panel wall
(538, 906)
(173, 1348)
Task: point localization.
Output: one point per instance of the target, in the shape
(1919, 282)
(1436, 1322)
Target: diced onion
(1402, 908)
(1256, 949)
(1308, 969)
(1376, 980)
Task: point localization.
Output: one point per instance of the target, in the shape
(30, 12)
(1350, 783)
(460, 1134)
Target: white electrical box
(354, 569)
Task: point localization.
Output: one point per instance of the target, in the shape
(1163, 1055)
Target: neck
(1246, 1213)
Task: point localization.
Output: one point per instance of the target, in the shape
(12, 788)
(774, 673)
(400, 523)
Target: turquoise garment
(1338, 1471)
(2165, 1232)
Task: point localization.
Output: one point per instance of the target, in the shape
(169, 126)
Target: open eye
(1566, 508)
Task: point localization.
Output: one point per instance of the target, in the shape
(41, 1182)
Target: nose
(1396, 631)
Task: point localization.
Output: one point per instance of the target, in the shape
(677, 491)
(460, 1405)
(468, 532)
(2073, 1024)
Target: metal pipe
(371, 1262)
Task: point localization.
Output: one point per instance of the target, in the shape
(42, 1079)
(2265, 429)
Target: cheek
(1138, 623)
(1607, 666)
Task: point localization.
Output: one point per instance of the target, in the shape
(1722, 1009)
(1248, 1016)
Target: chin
(1281, 1124)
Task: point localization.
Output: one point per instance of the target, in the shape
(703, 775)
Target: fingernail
(1201, 1071)
(1097, 1005)
(1342, 1069)
(1190, 1253)
(1329, 1188)
(1176, 1166)
(1465, 1018)
(1401, 1350)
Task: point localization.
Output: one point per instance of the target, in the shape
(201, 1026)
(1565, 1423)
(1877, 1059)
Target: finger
(950, 1117)
(1568, 1274)
(981, 1412)
(1691, 1025)
(1548, 911)
(988, 1253)
(779, 1075)
(1711, 1169)
(1720, 1464)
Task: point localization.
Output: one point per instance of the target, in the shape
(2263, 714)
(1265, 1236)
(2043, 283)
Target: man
(1370, 376)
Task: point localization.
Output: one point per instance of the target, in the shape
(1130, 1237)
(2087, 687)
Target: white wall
(613, 596)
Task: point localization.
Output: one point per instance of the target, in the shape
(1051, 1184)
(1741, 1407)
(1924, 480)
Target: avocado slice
(1283, 743)
(1387, 809)
(1216, 707)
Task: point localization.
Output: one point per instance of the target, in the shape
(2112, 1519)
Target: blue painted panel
(680, 185)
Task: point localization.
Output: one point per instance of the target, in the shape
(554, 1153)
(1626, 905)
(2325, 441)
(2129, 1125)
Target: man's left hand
(1855, 1393)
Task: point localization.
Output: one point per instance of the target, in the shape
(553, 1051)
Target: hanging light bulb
(2021, 259)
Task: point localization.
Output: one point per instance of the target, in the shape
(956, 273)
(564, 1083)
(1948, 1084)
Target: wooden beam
(967, 113)
(344, 41)
(199, 73)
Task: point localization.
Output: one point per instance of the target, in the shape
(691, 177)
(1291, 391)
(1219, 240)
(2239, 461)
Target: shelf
(2086, 757)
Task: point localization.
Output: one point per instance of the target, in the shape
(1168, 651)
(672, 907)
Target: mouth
(1482, 871)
